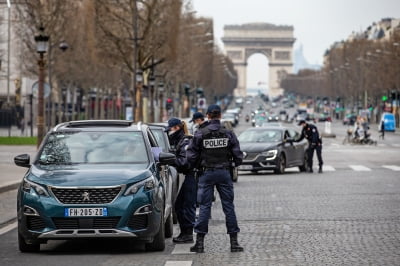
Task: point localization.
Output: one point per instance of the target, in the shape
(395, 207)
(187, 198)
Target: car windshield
(268, 135)
(94, 147)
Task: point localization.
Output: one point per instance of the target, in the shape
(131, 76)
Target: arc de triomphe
(275, 42)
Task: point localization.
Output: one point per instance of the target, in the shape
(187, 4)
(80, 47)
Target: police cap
(173, 122)
(196, 115)
(213, 109)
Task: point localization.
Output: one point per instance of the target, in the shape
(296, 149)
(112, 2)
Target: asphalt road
(349, 215)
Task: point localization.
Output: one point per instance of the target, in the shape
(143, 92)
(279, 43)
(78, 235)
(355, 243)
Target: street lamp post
(41, 47)
(152, 82)
(160, 102)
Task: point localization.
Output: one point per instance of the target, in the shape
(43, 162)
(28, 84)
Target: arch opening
(257, 74)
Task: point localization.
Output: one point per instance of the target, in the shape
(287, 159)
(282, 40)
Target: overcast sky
(317, 23)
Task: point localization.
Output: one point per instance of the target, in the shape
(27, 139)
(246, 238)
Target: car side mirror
(22, 160)
(167, 158)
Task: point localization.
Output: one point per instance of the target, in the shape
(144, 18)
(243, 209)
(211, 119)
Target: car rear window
(268, 135)
(82, 147)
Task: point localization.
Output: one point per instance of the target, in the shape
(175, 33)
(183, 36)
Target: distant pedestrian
(22, 126)
(382, 129)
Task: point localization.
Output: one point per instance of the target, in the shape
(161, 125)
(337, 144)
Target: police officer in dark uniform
(185, 204)
(215, 147)
(310, 132)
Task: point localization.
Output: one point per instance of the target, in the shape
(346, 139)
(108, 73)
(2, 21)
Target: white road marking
(8, 228)
(182, 249)
(328, 168)
(396, 145)
(359, 168)
(178, 263)
(392, 167)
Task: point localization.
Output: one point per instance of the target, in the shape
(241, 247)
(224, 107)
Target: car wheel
(303, 168)
(24, 247)
(281, 165)
(169, 226)
(158, 243)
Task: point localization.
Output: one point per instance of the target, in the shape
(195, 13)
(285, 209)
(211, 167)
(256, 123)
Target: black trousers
(318, 149)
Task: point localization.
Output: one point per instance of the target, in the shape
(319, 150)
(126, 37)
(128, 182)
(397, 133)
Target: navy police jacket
(310, 132)
(193, 153)
(180, 141)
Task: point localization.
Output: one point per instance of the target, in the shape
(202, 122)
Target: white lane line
(396, 145)
(178, 263)
(359, 168)
(8, 228)
(392, 167)
(328, 168)
(182, 249)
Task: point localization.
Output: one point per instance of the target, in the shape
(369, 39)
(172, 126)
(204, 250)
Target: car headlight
(271, 154)
(27, 186)
(147, 184)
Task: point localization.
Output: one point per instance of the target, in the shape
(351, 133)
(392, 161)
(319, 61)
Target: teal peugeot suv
(96, 179)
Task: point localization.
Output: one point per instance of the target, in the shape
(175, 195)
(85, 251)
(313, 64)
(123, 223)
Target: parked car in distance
(96, 179)
(272, 148)
(324, 117)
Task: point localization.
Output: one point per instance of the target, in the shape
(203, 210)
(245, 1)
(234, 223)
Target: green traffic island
(18, 140)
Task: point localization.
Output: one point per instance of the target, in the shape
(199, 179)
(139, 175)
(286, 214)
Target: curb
(330, 135)
(9, 186)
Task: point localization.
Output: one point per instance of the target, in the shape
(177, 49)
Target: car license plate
(245, 167)
(73, 212)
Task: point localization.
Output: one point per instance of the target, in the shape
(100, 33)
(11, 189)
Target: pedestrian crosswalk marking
(359, 168)
(392, 167)
(178, 263)
(182, 249)
(396, 145)
(328, 168)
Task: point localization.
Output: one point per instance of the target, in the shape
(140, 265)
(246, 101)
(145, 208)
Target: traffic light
(187, 89)
(169, 103)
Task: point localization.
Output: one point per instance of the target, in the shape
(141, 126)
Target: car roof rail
(96, 123)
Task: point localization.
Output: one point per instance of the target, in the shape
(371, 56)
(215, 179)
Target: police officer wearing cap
(198, 121)
(215, 147)
(310, 132)
(185, 204)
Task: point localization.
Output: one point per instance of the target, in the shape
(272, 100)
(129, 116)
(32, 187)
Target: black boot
(186, 236)
(235, 247)
(199, 246)
(320, 169)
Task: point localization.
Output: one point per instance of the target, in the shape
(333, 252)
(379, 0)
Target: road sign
(201, 103)
(35, 89)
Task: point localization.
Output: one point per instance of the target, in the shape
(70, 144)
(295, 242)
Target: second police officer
(215, 147)
(185, 204)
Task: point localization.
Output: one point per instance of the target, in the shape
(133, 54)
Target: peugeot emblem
(85, 196)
